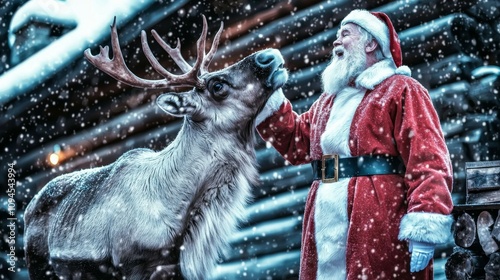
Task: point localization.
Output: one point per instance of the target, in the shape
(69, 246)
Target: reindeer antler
(118, 69)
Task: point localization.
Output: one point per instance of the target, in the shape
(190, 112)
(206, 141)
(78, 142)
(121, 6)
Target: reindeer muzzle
(271, 61)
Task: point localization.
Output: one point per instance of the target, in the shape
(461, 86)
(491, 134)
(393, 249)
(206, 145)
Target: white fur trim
(376, 27)
(331, 224)
(403, 70)
(335, 139)
(426, 227)
(273, 104)
(376, 74)
(330, 212)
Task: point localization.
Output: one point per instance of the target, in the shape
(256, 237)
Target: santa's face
(348, 60)
(349, 38)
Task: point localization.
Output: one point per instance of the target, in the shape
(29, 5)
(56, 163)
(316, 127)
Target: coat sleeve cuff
(273, 104)
(426, 227)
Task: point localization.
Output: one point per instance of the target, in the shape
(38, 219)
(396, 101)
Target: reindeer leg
(171, 272)
(39, 267)
(37, 250)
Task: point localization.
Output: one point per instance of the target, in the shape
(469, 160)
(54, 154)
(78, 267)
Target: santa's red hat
(380, 27)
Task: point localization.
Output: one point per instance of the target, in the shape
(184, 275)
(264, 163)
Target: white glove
(272, 105)
(421, 254)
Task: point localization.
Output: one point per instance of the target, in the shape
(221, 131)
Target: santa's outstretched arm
(287, 131)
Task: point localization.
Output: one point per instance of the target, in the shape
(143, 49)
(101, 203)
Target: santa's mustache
(338, 51)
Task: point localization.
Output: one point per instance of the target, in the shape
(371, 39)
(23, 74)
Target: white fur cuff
(403, 70)
(426, 227)
(273, 104)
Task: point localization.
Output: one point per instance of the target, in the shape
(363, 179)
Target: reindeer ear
(176, 104)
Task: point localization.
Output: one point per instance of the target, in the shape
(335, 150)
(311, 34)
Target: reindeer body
(196, 207)
(152, 214)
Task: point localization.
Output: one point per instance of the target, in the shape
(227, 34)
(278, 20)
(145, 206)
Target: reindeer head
(228, 99)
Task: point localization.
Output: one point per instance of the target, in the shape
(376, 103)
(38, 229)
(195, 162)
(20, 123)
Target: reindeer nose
(267, 58)
(270, 64)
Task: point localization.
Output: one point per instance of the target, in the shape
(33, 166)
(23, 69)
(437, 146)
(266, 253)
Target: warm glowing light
(54, 158)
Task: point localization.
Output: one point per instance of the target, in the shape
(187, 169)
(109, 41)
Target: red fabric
(395, 44)
(396, 118)
(309, 255)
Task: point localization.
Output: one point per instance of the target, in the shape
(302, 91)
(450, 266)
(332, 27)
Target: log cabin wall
(88, 119)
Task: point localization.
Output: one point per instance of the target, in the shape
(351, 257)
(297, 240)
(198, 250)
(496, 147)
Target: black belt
(330, 168)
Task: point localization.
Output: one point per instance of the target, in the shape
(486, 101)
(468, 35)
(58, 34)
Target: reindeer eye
(218, 90)
(217, 87)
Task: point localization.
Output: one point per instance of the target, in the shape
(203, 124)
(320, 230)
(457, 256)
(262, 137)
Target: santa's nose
(337, 42)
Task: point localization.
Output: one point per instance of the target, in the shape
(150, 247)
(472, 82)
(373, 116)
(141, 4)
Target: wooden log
(486, 15)
(483, 182)
(480, 148)
(312, 51)
(485, 10)
(459, 266)
(453, 68)
(288, 30)
(458, 154)
(455, 6)
(465, 264)
(490, 36)
(485, 149)
(483, 177)
(269, 159)
(484, 95)
(432, 40)
(264, 14)
(305, 83)
(269, 237)
(478, 33)
(451, 100)
(487, 120)
(276, 266)
(452, 128)
(278, 206)
(496, 228)
(464, 230)
(429, 41)
(284, 179)
(408, 14)
(467, 32)
(484, 222)
(484, 71)
(281, 243)
(492, 268)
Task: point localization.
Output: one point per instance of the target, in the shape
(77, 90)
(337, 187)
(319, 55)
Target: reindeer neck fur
(222, 165)
(206, 147)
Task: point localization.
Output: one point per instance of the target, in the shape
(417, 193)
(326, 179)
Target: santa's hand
(272, 105)
(421, 254)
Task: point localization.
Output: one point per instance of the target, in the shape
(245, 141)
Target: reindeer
(151, 215)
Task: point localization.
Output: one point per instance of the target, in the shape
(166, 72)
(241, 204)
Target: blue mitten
(421, 254)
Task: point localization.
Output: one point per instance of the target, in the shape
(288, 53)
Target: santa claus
(381, 198)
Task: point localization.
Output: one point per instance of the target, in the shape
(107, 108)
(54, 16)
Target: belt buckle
(335, 178)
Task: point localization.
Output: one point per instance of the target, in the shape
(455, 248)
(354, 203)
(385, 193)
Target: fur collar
(378, 72)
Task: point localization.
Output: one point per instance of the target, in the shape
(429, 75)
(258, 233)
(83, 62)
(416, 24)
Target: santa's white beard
(341, 71)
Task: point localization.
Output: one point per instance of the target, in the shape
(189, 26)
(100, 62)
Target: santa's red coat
(396, 117)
